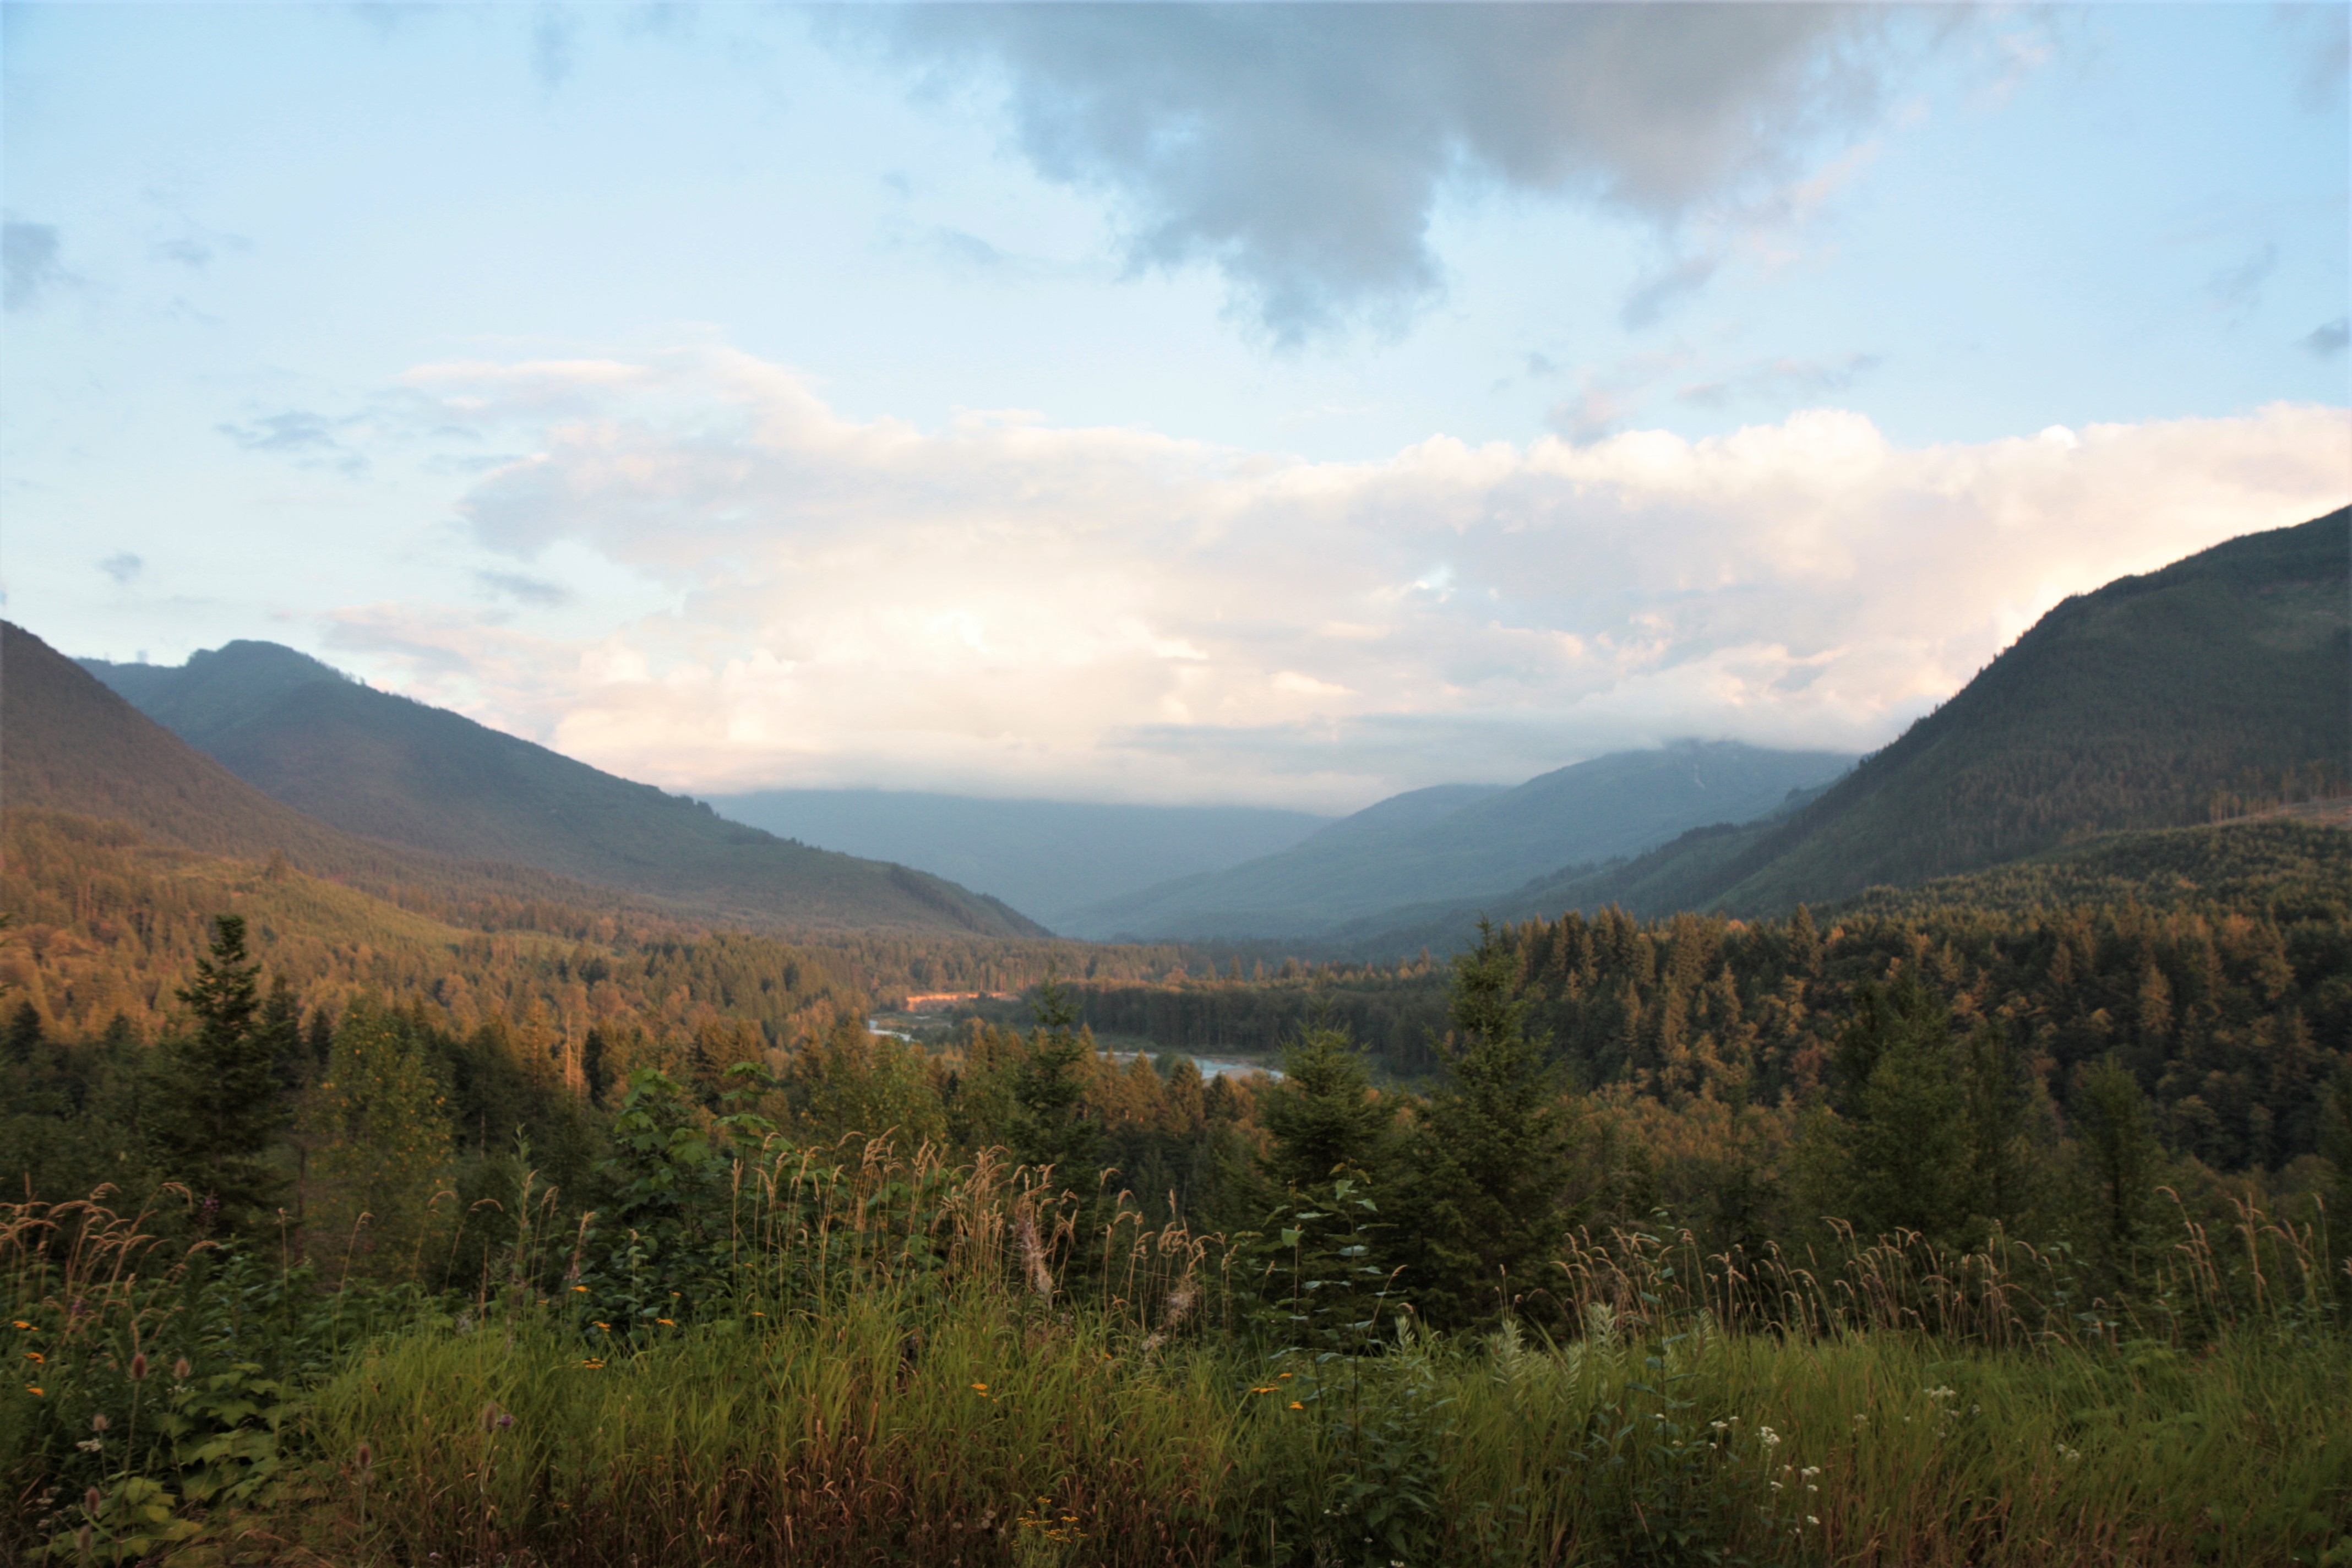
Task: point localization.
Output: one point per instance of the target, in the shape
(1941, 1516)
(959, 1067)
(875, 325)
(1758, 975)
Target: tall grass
(914, 1362)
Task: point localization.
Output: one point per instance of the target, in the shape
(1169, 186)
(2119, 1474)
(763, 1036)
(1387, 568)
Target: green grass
(863, 1437)
(912, 1365)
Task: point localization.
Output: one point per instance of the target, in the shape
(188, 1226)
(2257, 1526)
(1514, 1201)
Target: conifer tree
(215, 1124)
(1051, 1126)
(1902, 1129)
(2120, 1154)
(1492, 1151)
(1322, 1115)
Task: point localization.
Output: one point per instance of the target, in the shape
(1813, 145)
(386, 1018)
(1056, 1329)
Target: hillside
(397, 776)
(1466, 842)
(1049, 859)
(2220, 685)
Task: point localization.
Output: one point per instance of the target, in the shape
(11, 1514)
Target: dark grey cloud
(123, 568)
(534, 591)
(30, 263)
(1302, 149)
(2327, 339)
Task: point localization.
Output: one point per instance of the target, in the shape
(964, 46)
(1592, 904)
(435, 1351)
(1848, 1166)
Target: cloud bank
(1008, 607)
(1303, 149)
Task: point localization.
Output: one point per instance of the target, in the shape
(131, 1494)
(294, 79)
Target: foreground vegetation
(358, 1288)
(905, 1362)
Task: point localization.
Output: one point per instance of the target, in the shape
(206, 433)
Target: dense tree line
(1755, 1084)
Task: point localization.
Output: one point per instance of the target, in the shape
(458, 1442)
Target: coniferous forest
(1992, 1222)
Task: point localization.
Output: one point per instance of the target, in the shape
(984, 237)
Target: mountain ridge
(404, 773)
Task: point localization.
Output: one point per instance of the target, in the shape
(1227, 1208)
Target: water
(1211, 1066)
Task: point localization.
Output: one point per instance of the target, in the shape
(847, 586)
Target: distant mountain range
(2220, 682)
(1048, 858)
(357, 765)
(1469, 842)
(2216, 685)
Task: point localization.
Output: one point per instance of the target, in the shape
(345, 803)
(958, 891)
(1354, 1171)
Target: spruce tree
(215, 1124)
(1322, 1115)
(1902, 1109)
(1492, 1151)
(1051, 1126)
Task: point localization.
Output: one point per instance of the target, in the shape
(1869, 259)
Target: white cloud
(1007, 605)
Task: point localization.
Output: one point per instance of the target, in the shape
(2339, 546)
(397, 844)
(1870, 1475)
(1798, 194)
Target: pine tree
(215, 1123)
(2120, 1159)
(1492, 1151)
(1051, 1126)
(1901, 1106)
(1322, 1114)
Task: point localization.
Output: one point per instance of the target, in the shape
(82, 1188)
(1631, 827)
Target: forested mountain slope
(1467, 842)
(2153, 702)
(373, 764)
(2214, 687)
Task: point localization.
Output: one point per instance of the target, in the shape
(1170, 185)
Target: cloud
(1655, 295)
(534, 591)
(1782, 380)
(554, 47)
(2320, 37)
(2243, 284)
(1302, 150)
(29, 266)
(2327, 339)
(309, 440)
(1002, 604)
(123, 568)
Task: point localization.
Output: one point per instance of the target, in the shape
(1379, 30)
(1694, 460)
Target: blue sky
(1286, 405)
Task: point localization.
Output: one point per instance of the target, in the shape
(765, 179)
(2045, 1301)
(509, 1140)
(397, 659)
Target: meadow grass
(914, 1366)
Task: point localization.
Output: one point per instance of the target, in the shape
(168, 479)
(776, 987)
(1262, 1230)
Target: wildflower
(180, 1369)
(1263, 1388)
(99, 1423)
(36, 1393)
(594, 1364)
(1809, 1471)
(37, 1357)
(92, 1500)
(981, 1389)
(607, 1327)
(22, 1324)
(580, 1290)
(1940, 1392)
(1812, 1519)
(1296, 1406)
(139, 1366)
(666, 1323)
(1766, 1435)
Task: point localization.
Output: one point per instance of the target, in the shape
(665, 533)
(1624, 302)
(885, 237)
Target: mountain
(389, 769)
(2218, 685)
(1048, 857)
(69, 744)
(1470, 842)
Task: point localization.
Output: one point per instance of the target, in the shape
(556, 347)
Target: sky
(1281, 405)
